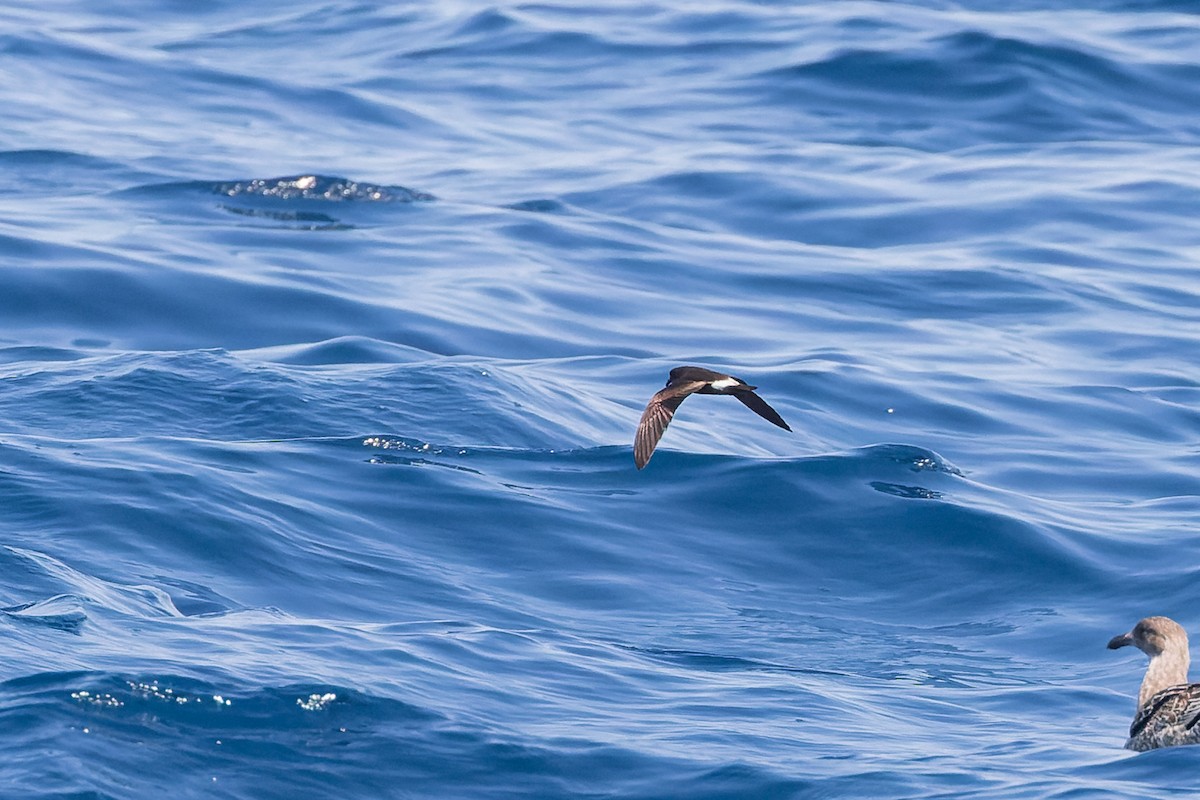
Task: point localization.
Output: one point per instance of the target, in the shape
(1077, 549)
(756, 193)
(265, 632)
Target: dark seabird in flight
(692, 380)
(1168, 706)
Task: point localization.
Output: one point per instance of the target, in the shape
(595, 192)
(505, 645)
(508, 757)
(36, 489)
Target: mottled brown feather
(1167, 719)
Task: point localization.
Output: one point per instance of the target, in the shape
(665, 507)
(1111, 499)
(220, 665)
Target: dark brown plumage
(683, 382)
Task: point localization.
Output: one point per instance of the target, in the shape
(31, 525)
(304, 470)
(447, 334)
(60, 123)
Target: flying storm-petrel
(1168, 706)
(683, 382)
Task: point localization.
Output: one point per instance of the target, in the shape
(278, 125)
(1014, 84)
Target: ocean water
(325, 328)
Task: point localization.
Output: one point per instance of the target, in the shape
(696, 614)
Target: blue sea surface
(325, 329)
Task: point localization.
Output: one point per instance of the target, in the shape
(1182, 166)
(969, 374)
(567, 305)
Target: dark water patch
(299, 219)
(543, 206)
(715, 662)
(901, 490)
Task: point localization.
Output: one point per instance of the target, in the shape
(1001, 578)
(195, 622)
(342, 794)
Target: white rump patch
(725, 383)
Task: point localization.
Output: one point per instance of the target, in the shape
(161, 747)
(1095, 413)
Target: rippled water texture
(325, 329)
